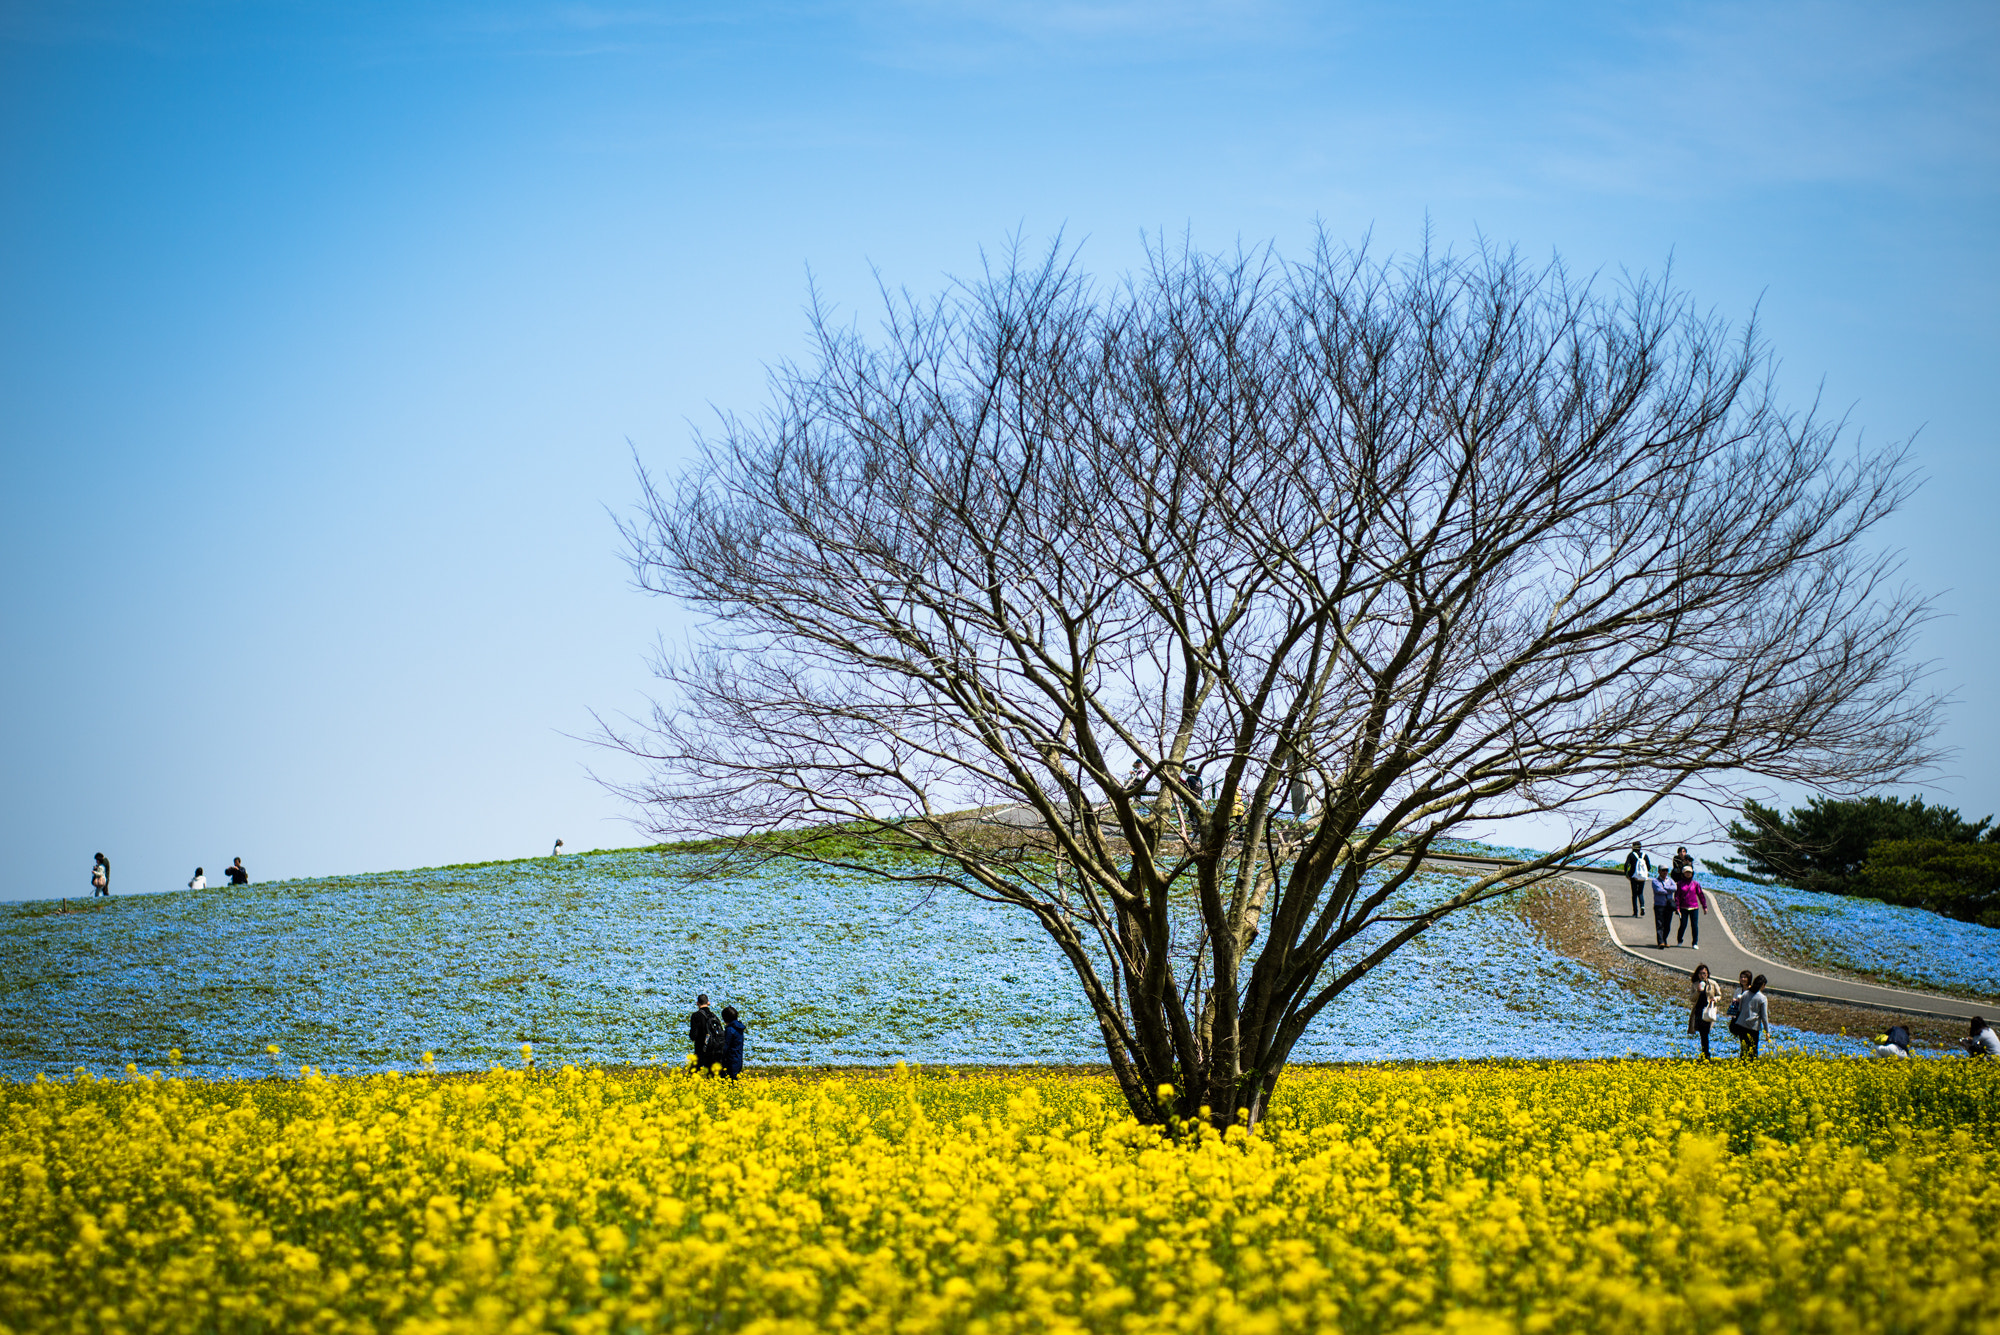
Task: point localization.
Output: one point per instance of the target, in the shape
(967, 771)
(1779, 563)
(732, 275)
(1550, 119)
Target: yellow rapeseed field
(1793, 1194)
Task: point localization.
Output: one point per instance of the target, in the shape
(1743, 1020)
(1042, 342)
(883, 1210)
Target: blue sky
(324, 328)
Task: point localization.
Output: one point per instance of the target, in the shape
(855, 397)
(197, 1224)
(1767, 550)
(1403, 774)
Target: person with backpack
(704, 1034)
(1639, 871)
(733, 1031)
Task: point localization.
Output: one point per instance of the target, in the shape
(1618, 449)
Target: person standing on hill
(1639, 871)
(704, 1033)
(733, 1031)
(1752, 1015)
(236, 874)
(100, 877)
(1706, 995)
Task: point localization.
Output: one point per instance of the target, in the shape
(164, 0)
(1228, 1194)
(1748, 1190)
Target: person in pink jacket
(1690, 899)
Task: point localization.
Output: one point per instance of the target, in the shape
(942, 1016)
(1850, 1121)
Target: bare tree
(1240, 584)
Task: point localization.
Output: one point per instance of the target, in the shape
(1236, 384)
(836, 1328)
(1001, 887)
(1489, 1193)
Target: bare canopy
(1240, 584)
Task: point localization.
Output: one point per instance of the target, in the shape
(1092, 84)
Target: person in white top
(199, 881)
(1981, 1041)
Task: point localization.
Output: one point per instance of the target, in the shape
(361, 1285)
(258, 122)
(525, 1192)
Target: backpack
(713, 1044)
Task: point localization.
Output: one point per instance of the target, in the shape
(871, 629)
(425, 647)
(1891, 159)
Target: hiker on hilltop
(100, 877)
(704, 1034)
(1980, 1040)
(1639, 871)
(733, 1031)
(236, 874)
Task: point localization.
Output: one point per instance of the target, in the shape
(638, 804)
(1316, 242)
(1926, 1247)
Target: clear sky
(324, 327)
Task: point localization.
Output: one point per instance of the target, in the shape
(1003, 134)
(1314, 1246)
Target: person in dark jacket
(733, 1031)
(701, 1024)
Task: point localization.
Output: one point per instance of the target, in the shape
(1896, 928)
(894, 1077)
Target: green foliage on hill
(1959, 880)
(1902, 851)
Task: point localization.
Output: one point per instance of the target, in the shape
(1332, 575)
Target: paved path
(1725, 956)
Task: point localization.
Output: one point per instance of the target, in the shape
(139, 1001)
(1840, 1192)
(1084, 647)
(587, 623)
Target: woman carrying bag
(1706, 996)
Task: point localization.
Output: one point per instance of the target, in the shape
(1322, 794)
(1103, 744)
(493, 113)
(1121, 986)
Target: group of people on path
(1673, 890)
(717, 1042)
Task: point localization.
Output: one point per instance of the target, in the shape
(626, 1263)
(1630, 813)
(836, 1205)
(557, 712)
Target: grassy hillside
(597, 957)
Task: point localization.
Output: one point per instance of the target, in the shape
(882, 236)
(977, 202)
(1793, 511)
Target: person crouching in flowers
(733, 1031)
(1895, 1043)
(1981, 1041)
(1705, 996)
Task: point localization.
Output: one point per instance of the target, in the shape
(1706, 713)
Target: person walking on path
(100, 877)
(236, 874)
(1753, 1015)
(1980, 1040)
(704, 1033)
(1705, 996)
(1639, 871)
(733, 1030)
(198, 881)
(1690, 899)
(1663, 908)
(1683, 861)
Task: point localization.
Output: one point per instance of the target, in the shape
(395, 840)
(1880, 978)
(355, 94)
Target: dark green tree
(1956, 878)
(1823, 844)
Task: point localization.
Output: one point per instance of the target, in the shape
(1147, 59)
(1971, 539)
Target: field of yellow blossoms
(1795, 1194)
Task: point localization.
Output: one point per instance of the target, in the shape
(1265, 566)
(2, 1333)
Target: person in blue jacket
(733, 1031)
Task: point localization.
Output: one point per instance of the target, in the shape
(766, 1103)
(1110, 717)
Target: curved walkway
(1726, 956)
